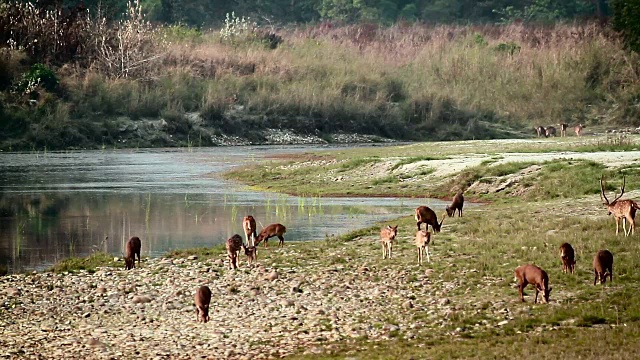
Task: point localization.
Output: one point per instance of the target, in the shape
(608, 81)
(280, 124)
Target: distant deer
(456, 204)
(387, 236)
(531, 274)
(568, 257)
(271, 231)
(578, 129)
(249, 226)
(202, 301)
(251, 252)
(234, 245)
(550, 131)
(541, 131)
(424, 215)
(132, 249)
(423, 239)
(603, 265)
(621, 209)
(563, 129)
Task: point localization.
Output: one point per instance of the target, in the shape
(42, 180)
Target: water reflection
(57, 205)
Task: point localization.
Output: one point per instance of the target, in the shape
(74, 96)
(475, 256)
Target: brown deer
(234, 245)
(578, 129)
(251, 252)
(550, 131)
(424, 215)
(387, 236)
(603, 265)
(202, 301)
(541, 131)
(563, 129)
(132, 249)
(568, 257)
(423, 239)
(621, 209)
(456, 204)
(249, 226)
(531, 274)
(271, 231)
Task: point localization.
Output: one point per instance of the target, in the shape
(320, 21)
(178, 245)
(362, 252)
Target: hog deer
(456, 204)
(621, 209)
(251, 252)
(249, 226)
(423, 239)
(568, 258)
(531, 274)
(541, 131)
(202, 301)
(234, 245)
(603, 265)
(578, 129)
(271, 231)
(132, 249)
(563, 129)
(550, 131)
(387, 236)
(424, 215)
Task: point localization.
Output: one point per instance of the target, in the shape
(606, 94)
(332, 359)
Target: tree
(625, 20)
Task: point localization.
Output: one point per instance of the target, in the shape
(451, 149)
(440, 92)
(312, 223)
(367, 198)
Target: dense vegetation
(129, 82)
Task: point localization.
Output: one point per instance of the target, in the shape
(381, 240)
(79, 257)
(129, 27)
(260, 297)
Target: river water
(59, 204)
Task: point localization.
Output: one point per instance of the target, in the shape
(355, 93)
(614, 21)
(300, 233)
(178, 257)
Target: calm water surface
(59, 204)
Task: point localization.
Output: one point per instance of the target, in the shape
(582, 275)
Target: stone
(272, 275)
(141, 299)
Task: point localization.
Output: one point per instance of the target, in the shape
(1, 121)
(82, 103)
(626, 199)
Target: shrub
(38, 76)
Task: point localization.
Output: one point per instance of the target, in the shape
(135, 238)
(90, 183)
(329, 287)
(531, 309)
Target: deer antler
(602, 195)
(621, 189)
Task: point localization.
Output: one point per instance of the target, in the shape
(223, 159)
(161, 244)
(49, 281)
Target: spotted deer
(249, 227)
(603, 266)
(550, 131)
(541, 131)
(424, 215)
(423, 239)
(387, 236)
(531, 274)
(621, 209)
(132, 249)
(578, 129)
(568, 258)
(271, 231)
(563, 129)
(234, 245)
(202, 301)
(456, 204)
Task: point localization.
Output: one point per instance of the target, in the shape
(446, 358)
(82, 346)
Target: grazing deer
(541, 131)
(202, 301)
(603, 264)
(423, 239)
(251, 252)
(563, 129)
(234, 245)
(550, 131)
(271, 231)
(578, 129)
(568, 257)
(132, 249)
(249, 226)
(456, 204)
(387, 236)
(424, 215)
(621, 209)
(531, 274)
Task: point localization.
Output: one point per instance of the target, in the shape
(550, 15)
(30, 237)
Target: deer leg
(521, 290)
(535, 301)
(426, 249)
(617, 224)
(384, 251)
(595, 278)
(281, 238)
(624, 226)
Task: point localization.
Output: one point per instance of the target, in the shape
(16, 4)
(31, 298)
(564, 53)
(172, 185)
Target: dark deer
(424, 215)
(249, 226)
(568, 257)
(251, 252)
(132, 250)
(423, 239)
(541, 131)
(531, 274)
(234, 245)
(271, 231)
(550, 131)
(456, 204)
(563, 129)
(578, 129)
(202, 301)
(603, 265)
(387, 236)
(621, 209)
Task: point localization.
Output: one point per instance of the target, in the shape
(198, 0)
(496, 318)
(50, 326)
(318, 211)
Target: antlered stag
(424, 215)
(621, 209)
(387, 236)
(132, 250)
(568, 258)
(603, 265)
(423, 239)
(202, 301)
(271, 231)
(249, 226)
(456, 204)
(234, 245)
(531, 274)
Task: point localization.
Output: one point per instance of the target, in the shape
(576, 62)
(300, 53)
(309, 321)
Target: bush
(625, 20)
(38, 76)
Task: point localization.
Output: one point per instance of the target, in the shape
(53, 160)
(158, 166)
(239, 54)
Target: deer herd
(551, 131)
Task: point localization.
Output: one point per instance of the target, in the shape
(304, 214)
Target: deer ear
(395, 227)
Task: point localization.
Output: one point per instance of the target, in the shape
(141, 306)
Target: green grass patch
(89, 263)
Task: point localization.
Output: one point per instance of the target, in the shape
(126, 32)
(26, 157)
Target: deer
(202, 301)
(132, 249)
(424, 215)
(568, 258)
(456, 204)
(423, 239)
(621, 209)
(251, 252)
(578, 129)
(249, 226)
(531, 274)
(387, 236)
(563, 129)
(271, 231)
(550, 131)
(541, 131)
(234, 245)
(603, 265)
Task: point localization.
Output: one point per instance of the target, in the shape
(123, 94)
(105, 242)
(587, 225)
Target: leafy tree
(626, 16)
